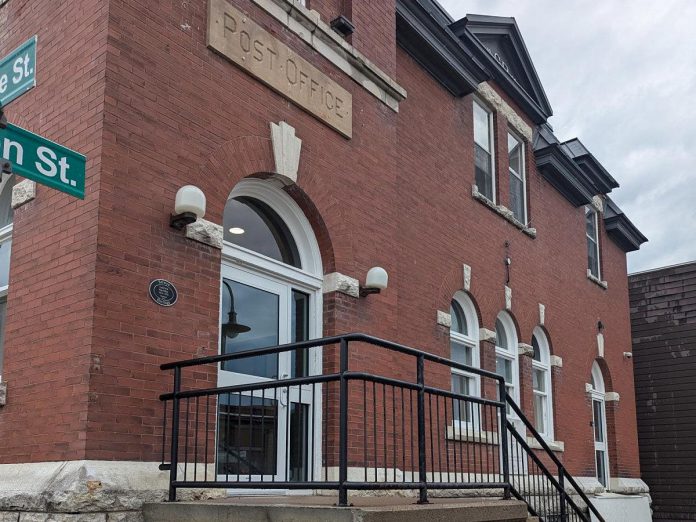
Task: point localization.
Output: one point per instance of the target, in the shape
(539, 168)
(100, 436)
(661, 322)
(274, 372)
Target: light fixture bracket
(364, 292)
(179, 221)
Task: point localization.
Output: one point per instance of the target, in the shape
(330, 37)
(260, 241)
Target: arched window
(541, 384)
(599, 423)
(6, 218)
(464, 349)
(506, 354)
(252, 224)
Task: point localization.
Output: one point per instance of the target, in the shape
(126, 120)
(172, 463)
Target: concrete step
(322, 509)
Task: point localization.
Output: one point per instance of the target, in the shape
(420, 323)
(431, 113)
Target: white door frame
(598, 394)
(241, 264)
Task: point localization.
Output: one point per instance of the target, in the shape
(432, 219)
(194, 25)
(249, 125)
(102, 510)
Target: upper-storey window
(483, 139)
(518, 182)
(591, 230)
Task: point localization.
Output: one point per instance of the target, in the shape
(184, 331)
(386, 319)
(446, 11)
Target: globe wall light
(189, 205)
(377, 280)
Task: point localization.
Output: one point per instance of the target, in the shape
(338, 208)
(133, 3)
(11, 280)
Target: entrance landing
(323, 509)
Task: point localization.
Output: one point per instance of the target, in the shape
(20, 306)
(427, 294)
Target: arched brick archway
(252, 156)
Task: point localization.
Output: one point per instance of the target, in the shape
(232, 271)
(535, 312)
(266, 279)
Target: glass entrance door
(262, 435)
(600, 441)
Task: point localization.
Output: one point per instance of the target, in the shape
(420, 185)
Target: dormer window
(591, 231)
(483, 145)
(518, 182)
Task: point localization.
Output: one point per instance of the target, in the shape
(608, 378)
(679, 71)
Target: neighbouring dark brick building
(417, 143)
(663, 323)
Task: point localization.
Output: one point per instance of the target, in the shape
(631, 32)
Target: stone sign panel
(235, 36)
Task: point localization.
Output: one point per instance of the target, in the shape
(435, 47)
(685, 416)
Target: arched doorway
(271, 280)
(599, 424)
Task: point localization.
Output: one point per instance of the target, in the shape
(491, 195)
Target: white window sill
(554, 445)
(596, 280)
(471, 434)
(502, 211)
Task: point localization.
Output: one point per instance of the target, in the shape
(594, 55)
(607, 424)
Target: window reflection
(251, 224)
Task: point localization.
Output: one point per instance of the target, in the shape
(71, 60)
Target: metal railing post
(562, 493)
(174, 458)
(343, 427)
(504, 449)
(422, 472)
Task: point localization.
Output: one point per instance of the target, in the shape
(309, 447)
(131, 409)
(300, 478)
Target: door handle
(284, 397)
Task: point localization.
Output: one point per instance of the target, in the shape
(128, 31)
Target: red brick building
(415, 143)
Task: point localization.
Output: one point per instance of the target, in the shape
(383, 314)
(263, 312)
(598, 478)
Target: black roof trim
(535, 103)
(620, 229)
(422, 31)
(563, 174)
(603, 182)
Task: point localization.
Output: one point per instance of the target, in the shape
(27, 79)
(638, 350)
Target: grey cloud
(621, 76)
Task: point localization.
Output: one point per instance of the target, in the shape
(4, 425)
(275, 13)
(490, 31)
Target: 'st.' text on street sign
(18, 72)
(43, 161)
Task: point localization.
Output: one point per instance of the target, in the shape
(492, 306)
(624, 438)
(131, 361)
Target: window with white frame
(541, 385)
(518, 180)
(506, 355)
(599, 425)
(465, 350)
(6, 216)
(483, 150)
(592, 233)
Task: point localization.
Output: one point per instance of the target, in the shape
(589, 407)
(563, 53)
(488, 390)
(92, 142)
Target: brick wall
(48, 336)
(397, 195)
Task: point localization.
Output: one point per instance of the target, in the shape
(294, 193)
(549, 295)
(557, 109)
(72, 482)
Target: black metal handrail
(370, 447)
(563, 475)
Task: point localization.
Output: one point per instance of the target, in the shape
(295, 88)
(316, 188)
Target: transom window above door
(252, 224)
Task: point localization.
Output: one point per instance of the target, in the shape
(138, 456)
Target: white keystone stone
(205, 232)
(286, 150)
(525, 349)
(598, 203)
(556, 361)
(23, 192)
(467, 277)
(487, 335)
(3, 393)
(508, 298)
(444, 319)
(542, 314)
(600, 345)
(337, 282)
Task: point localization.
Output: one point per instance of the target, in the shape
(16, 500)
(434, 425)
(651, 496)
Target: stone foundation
(85, 491)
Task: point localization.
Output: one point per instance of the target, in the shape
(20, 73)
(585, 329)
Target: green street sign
(43, 161)
(18, 72)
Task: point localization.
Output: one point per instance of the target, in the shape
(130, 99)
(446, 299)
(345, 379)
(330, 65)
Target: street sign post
(18, 72)
(43, 161)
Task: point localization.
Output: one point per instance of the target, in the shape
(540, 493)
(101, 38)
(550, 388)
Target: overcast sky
(621, 76)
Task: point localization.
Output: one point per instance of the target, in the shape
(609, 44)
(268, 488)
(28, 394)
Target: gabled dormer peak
(498, 41)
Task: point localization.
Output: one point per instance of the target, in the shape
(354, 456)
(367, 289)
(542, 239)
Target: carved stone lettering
(235, 36)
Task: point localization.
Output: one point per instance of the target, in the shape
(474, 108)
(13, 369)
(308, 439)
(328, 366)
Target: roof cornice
(603, 182)
(539, 111)
(620, 229)
(422, 33)
(561, 172)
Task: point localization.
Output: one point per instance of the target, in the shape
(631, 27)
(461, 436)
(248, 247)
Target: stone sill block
(471, 435)
(597, 281)
(554, 445)
(504, 212)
